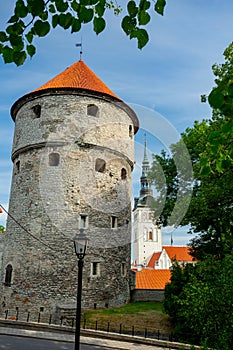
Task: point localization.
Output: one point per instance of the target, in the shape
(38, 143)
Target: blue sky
(164, 80)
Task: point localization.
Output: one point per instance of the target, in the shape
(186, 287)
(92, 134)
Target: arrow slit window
(8, 275)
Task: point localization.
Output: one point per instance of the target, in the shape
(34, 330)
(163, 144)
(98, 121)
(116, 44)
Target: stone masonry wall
(53, 202)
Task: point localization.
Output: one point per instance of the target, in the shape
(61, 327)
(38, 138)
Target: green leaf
(226, 164)
(55, 20)
(61, 6)
(44, 15)
(144, 5)
(227, 127)
(41, 28)
(99, 25)
(19, 57)
(65, 20)
(100, 8)
(216, 98)
(132, 8)
(29, 37)
(16, 42)
(76, 25)
(3, 37)
(7, 54)
(205, 170)
(36, 7)
(142, 37)
(85, 14)
(75, 6)
(13, 19)
(31, 50)
(128, 24)
(16, 28)
(143, 18)
(160, 6)
(52, 8)
(21, 11)
(215, 137)
(204, 161)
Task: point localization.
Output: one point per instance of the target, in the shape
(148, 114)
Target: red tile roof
(152, 279)
(155, 257)
(78, 76)
(178, 253)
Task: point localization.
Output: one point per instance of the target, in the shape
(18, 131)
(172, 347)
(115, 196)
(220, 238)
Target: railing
(45, 318)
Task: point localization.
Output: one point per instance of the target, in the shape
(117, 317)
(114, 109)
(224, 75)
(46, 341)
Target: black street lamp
(80, 246)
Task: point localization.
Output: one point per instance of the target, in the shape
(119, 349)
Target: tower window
(150, 235)
(37, 111)
(100, 165)
(113, 222)
(123, 269)
(95, 269)
(83, 221)
(8, 275)
(123, 174)
(17, 167)
(92, 110)
(54, 159)
(130, 131)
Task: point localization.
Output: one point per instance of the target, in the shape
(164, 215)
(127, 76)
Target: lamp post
(80, 246)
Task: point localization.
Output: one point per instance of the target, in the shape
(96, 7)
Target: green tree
(218, 155)
(35, 18)
(210, 148)
(206, 303)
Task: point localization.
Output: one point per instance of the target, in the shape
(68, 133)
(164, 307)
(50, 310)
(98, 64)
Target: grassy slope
(141, 315)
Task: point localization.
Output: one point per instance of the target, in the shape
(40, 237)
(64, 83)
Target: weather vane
(81, 48)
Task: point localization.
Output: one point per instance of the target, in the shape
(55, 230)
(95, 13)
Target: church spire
(145, 185)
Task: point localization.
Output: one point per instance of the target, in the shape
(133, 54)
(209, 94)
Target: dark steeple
(146, 193)
(145, 185)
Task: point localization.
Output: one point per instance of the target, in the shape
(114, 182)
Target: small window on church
(100, 165)
(150, 235)
(54, 159)
(8, 275)
(37, 111)
(123, 174)
(92, 110)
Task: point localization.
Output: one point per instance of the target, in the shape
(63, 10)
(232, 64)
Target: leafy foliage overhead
(36, 18)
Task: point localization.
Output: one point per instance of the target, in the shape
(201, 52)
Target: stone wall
(147, 295)
(53, 200)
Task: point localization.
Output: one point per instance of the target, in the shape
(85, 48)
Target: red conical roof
(78, 76)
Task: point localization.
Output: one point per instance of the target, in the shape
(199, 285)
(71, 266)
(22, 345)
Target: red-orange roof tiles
(178, 253)
(152, 279)
(78, 76)
(155, 257)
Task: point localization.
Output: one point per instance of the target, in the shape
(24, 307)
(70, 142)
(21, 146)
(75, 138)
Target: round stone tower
(73, 154)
